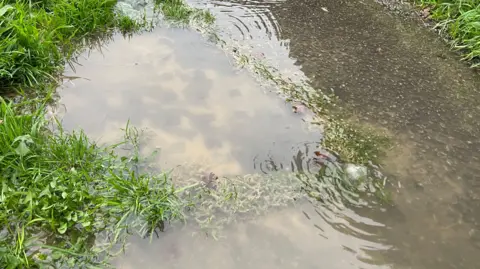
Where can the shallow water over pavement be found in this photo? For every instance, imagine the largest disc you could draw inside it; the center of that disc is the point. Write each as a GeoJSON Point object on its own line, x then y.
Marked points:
{"type": "Point", "coordinates": [391, 73]}
{"type": "Point", "coordinates": [394, 73]}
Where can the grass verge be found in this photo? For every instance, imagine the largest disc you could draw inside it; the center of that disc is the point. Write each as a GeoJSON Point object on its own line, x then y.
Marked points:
{"type": "Point", "coordinates": [66, 202]}
{"type": "Point", "coordinates": [37, 38]}
{"type": "Point", "coordinates": [61, 193]}
{"type": "Point", "coordinates": [460, 21]}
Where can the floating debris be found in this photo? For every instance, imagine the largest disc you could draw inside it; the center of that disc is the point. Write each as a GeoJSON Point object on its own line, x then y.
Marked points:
{"type": "Point", "coordinates": [355, 172]}
{"type": "Point", "coordinates": [210, 180]}
{"type": "Point", "coordinates": [299, 108]}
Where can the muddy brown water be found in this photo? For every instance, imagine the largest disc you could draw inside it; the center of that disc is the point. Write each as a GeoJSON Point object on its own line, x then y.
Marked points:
{"type": "Point", "coordinates": [196, 108]}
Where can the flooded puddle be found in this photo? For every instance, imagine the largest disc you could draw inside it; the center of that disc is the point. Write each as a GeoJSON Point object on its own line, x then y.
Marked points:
{"type": "Point", "coordinates": [197, 109]}
{"type": "Point", "coordinates": [200, 112]}
{"type": "Point", "coordinates": [190, 102]}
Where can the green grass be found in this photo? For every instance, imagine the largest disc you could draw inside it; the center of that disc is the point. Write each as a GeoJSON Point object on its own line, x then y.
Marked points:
{"type": "Point", "coordinates": [60, 191]}
{"type": "Point", "coordinates": [355, 143]}
{"type": "Point", "coordinates": [179, 11]}
{"type": "Point", "coordinates": [460, 20]}
{"type": "Point", "coordinates": [64, 200]}
{"type": "Point", "coordinates": [37, 38]}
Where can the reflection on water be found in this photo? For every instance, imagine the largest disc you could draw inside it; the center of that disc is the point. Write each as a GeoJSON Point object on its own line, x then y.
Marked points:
{"type": "Point", "coordinates": [196, 109]}
{"type": "Point", "coordinates": [300, 237]}
{"type": "Point", "coordinates": [193, 106]}
{"type": "Point", "coordinates": [252, 27]}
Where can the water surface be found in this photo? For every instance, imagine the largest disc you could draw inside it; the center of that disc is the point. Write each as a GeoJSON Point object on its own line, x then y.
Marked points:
{"type": "Point", "coordinates": [192, 105]}
{"type": "Point", "coordinates": [394, 73]}
{"type": "Point", "coordinates": [196, 108]}
{"type": "Point", "coordinates": [283, 239]}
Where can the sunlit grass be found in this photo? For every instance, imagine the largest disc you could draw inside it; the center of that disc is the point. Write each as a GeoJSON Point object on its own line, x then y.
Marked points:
{"type": "Point", "coordinates": [460, 20]}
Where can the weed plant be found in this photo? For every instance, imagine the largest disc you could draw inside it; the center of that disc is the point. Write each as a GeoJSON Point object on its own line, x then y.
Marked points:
{"type": "Point", "coordinates": [61, 193]}
{"type": "Point", "coordinates": [460, 20]}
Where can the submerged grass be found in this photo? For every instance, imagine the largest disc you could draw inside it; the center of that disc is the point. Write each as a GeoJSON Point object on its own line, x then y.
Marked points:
{"type": "Point", "coordinates": [230, 199]}
{"type": "Point", "coordinates": [355, 143]}
{"type": "Point", "coordinates": [60, 192]}
{"type": "Point", "coordinates": [459, 20]}
{"type": "Point", "coordinates": [179, 11]}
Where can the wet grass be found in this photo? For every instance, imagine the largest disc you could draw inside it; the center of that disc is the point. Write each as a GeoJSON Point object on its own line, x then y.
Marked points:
{"type": "Point", "coordinates": [179, 11]}
{"type": "Point", "coordinates": [238, 198]}
{"type": "Point", "coordinates": [460, 21]}
{"type": "Point", "coordinates": [37, 38]}
{"type": "Point", "coordinates": [355, 143]}
{"type": "Point", "coordinates": [66, 201]}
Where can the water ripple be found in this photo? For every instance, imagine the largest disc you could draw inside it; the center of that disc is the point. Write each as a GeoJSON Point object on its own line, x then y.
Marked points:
{"type": "Point", "coordinates": [260, 20]}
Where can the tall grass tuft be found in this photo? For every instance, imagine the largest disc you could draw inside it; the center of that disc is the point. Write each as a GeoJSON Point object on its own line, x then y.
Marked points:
{"type": "Point", "coordinates": [460, 19]}
{"type": "Point", "coordinates": [60, 192]}
{"type": "Point", "coordinates": [37, 37]}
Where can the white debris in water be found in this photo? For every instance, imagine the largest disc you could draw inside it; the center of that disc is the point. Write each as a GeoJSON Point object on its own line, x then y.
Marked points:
{"type": "Point", "coordinates": [355, 172]}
